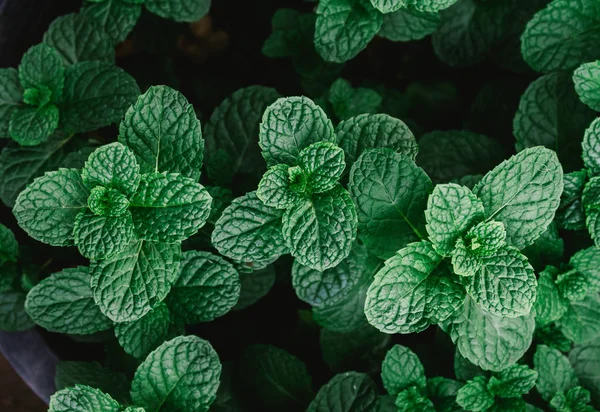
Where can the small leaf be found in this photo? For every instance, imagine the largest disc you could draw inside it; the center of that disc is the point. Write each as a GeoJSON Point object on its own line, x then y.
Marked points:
{"type": "Point", "coordinates": [591, 147]}
{"type": "Point", "coordinates": [179, 10]}
{"type": "Point", "coordinates": [30, 126]}
{"type": "Point", "coordinates": [348, 102]}
{"type": "Point", "coordinates": [346, 392]}
{"type": "Point", "coordinates": [82, 398]}
{"type": "Point", "coordinates": [112, 166]}
{"type": "Point", "coordinates": [275, 188]}
{"type": "Point", "coordinates": [40, 66]}
{"type": "Point", "coordinates": [116, 17]}
{"type": "Point", "coordinates": [401, 369]}
{"type": "Point", "coordinates": [11, 96]}
{"type": "Point", "coordinates": [590, 199]}
{"type": "Point", "coordinates": [412, 399]}
{"type": "Point", "coordinates": [324, 164]}
{"type": "Point", "coordinates": [99, 237]}
{"type": "Point", "coordinates": [555, 373]}
{"type": "Point", "coordinates": [513, 382]}
{"type": "Point", "coordinates": [571, 213]}
{"type": "Point", "coordinates": [549, 306]}
{"type": "Point", "coordinates": [586, 262]}
{"type": "Point", "coordinates": [69, 374]}
{"type": "Point", "coordinates": [587, 84]}
{"type": "Point", "coordinates": [142, 336]}
{"type": "Point", "coordinates": [409, 24]}
{"type": "Point", "coordinates": [474, 396]}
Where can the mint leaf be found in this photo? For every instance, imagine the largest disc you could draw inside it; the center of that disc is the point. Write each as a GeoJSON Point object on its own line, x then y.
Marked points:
{"type": "Point", "coordinates": [475, 396]}
{"type": "Point", "coordinates": [324, 164]}
{"type": "Point", "coordinates": [572, 285]}
{"type": "Point", "coordinates": [587, 84]}
{"type": "Point", "coordinates": [345, 392]}
{"type": "Point", "coordinates": [96, 94]}
{"type": "Point", "coordinates": [254, 286]}
{"type": "Point", "coordinates": [30, 126]}
{"type": "Point", "coordinates": [409, 24]}
{"type": "Point", "coordinates": [347, 315]}
{"type": "Point", "coordinates": [207, 288]}
{"type": "Point", "coordinates": [289, 125]}
{"type": "Point", "coordinates": [9, 248]}
{"type": "Point", "coordinates": [129, 284]}
{"type": "Point", "coordinates": [179, 10]}
{"type": "Point", "coordinates": [464, 369]}
{"type": "Point", "coordinates": [562, 35]}
{"type": "Point", "coordinates": [99, 237]}
{"type": "Point", "coordinates": [76, 37]}
{"type": "Point", "coordinates": [571, 213]}
{"type": "Point", "coordinates": [390, 192]}
{"type": "Point", "coordinates": [591, 147]}
{"type": "Point", "coordinates": [513, 382]}
{"type": "Point", "coordinates": [431, 6]}
{"type": "Point", "coordinates": [401, 369]}
{"type": "Point", "coordinates": [13, 316]}
{"type": "Point", "coordinates": [412, 399]}
{"type": "Point", "coordinates": [180, 374]}
{"type": "Point", "coordinates": [549, 305]}
{"type": "Point", "coordinates": [488, 341]}
{"type": "Point", "coordinates": [348, 102]}
{"type": "Point", "coordinates": [412, 290]}
{"type": "Point", "coordinates": [344, 28]}
{"type": "Point", "coordinates": [11, 96]}
{"type": "Point", "coordinates": [464, 261]}
{"type": "Point", "coordinates": [249, 231]}
{"type": "Point", "coordinates": [586, 262]}
{"type": "Point", "coordinates": [451, 210]}
{"type": "Point", "coordinates": [82, 398]}
{"type": "Point", "coordinates": [319, 232]}
{"type": "Point", "coordinates": [47, 208]}
{"type": "Point", "coordinates": [275, 188]}
{"type": "Point", "coordinates": [64, 303]}
{"type": "Point", "coordinates": [584, 359]}
{"type": "Point", "coordinates": [555, 373]}
{"type": "Point", "coordinates": [142, 336]}
{"type": "Point", "coordinates": [163, 132]}
{"type": "Point", "coordinates": [581, 323]}
{"type": "Point", "coordinates": [233, 130]}
{"type": "Point", "coordinates": [41, 66]}
{"type": "Point", "coordinates": [527, 205]}
{"type": "Point", "coordinates": [169, 207]}
{"type": "Point", "coordinates": [69, 374]}
{"type": "Point", "coordinates": [389, 6]}
{"type": "Point", "coordinates": [590, 199]}
{"type": "Point", "coordinates": [116, 17]}
{"type": "Point", "coordinates": [112, 166]}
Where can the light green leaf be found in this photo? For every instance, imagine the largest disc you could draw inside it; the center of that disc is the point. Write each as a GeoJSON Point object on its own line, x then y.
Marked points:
{"type": "Point", "coordinates": [9, 248]}
{"type": "Point", "coordinates": [142, 336]}
{"type": "Point", "coordinates": [389, 6]}
{"type": "Point", "coordinates": [401, 369]}
{"type": "Point", "coordinates": [348, 102]}
{"type": "Point", "coordinates": [412, 399]}
{"type": "Point", "coordinates": [555, 373]}
{"type": "Point", "coordinates": [11, 96]}
{"type": "Point", "coordinates": [590, 199]}
{"type": "Point", "coordinates": [486, 238]}
{"type": "Point", "coordinates": [70, 373]}
{"type": "Point", "coordinates": [181, 374]}
{"type": "Point", "coordinates": [319, 232]}
{"type": "Point", "coordinates": [41, 66]}
{"type": "Point", "coordinates": [451, 210]}
{"type": "Point", "coordinates": [390, 192]}
{"type": "Point", "coordinates": [179, 10]}
{"type": "Point", "coordinates": [169, 207]}
{"type": "Point", "coordinates": [116, 17]}
{"type": "Point", "coordinates": [47, 208]}
{"type": "Point", "coordinates": [527, 205]}
{"type": "Point", "coordinates": [13, 316]}
{"type": "Point", "coordinates": [562, 35]}
{"type": "Point", "coordinates": [30, 126]}
{"type": "Point", "coordinates": [290, 125]}
{"type": "Point", "coordinates": [77, 37]}
{"type": "Point", "coordinates": [513, 382]}
{"type": "Point", "coordinates": [344, 28]}
{"type": "Point", "coordinates": [324, 164]}
{"type": "Point", "coordinates": [163, 132]}
{"type": "Point", "coordinates": [572, 285]}
{"type": "Point", "coordinates": [99, 237]}
{"type": "Point", "coordinates": [475, 396]}
{"type": "Point", "coordinates": [586, 262]}
{"type": "Point", "coordinates": [409, 24]}
{"type": "Point", "coordinates": [488, 341]}
{"type": "Point", "coordinates": [571, 214]}
{"type": "Point", "coordinates": [464, 261]}
{"type": "Point", "coordinates": [549, 305]}
{"type": "Point", "coordinates": [113, 166]}
{"type": "Point", "coordinates": [346, 392]}
{"type": "Point", "coordinates": [591, 147]}
{"type": "Point", "coordinates": [82, 398]}
{"type": "Point", "coordinates": [249, 231]}
{"type": "Point", "coordinates": [63, 303]}
{"type": "Point", "coordinates": [129, 284]}
{"type": "Point", "coordinates": [412, 290]}
{"type": "Point", "coordinates": [207, 288]}
{"type": "Point", "coordinates": [275, 188]}
{"type": "Point", "coordinates": [581, 323]}
{"type": "Point", "coordinates": [587, 84]}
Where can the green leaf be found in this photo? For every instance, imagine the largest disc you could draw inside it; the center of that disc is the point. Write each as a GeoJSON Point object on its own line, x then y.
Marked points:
{"type": "Point", "coordinates": [30, 126]}
{"type": "Point", "coordinates": [542, 118]}
{"type": "Point", "coordinates": [233, 130]}
{"type": "Point", "coordinates": [11, 96]}
{"type": "Point", "coordinates": [107, 202]}
{"type": "Point", "coordinates": [475, 396]}
{"type": "Point", "coordinates": [572, 285]}
{"type": "Point", "coordinates": [486, 238]}
{"type": "Point", "coordinates": [99, 237]}
{"type": "Point", "coordinates": [13, 317]}
{"type": "Point", "coordinates": [290, 125]}
{"type": "Point", "coordinates": [69, 374]}
{"type": "Point", "coordinates": [389, 6]}
{"type": "Point", "coordinates": [581, 323]}
{"type": "Point", "coordinates": [41, 66]}
{"type": "Point", "coordinates": [348, 102]}
{"type": "Point", "coordinates": [47, 208]}
{"type": "Point", "coordinates": [586, 361]}
{"type": "Point", "coordinates": [447, 155]}
{"type": "Point", "coordinates": [181, 374]}
{"type": "Point", "coordinates": [249, 231]}
{"type": "Point", "coordinates": [112, 166]}
{"type": "Point", "coordinates": [96, 94]}
{"type": "Point", "coordinates": [587, 84]}
{"type": "Point", "coordinates": [527, 205]}
{"type": "Point", "coordinates": [63, 303]}
{"type": "Point", "coordinates": [571, 214]}
{"type": "Point", "coordinates": [275, 377]}
{"type": "Point", "coordinates": [207, 288]}
{"type": "Point", "coordinates": [254, 286]}
{"type": "Point", "coordinates": [179, 10]}
{"type": "Point", "coordinates": [344, 28]}
{"type": "Point", "coordinates": [586, 262]}
{"type": "Point", "coordinates": [590, 199]}
{"type": "Point", "coordinates": [431, 6]}
{"type": "Point", "coordinates": [549, 305]}
{"type": "Point", "coordinates": [562, 35]}
{"type": "Point", "coordinates": [129, 284]}
{"type": "Point", "coordinates": [82, 398]}
{"type": "Point", "coordinates": [319, 232]}
{"type": "Point", "coordinates": [591, 147]}
{"type": "Point", "coordinates": [412, 290]}
{"type": "Point", "coordinates": [488, 341]}
{"type": "Point", "coordinates": [163, 132]}
{"type": "Point", "coordinates": [513, 382]}
{"type": "Point", "coordinates": [9, 248]}
{"type": "Point", "coordinates": [411, 399]}
{"type": "Point", "coordinates": [345, 316]}
{"type": "Point", "coordinates": [555, 373]}
{"type": "Point", "coordinates": [275, 188]}
{"type": "Point", "coordinates": [464, 261]}
{"type": "Point", "coordinates": [324, 164]}
{"type": "Point", "coordinates": [116, 17]}
{"type": "Point", "coordinates": [169, 207]}
{"type": "Point", "coordinates": [77, 37]}
{"type": "Point", "coordinates": [346, 392]}
{"type": "Point", "coordinates": [451, 211]}
{"type": "Point", "coordinates": [409, 24]}
{"type": "Point", "coordinates": [401, 369]}
{"type": "Point", "coordinates": [390, 192]}
{"type": "Point", "coordinates": [142, 336]}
